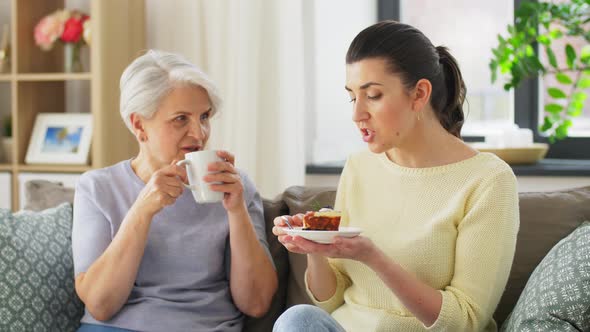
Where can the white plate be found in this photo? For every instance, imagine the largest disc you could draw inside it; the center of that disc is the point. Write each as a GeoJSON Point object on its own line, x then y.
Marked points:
{"type": "Point", "coordinates": [325, 237]}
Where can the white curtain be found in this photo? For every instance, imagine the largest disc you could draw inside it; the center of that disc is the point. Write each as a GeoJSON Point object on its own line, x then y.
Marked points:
{"type": "Point", "coordinates": [254, 51]}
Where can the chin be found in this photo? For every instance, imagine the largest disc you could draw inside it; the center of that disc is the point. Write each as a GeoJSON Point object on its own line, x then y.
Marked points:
{"type": "Point", "coordinates": [379, 148]}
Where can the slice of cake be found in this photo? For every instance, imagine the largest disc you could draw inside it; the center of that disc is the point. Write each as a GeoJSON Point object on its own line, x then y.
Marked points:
{"type": "Point", "coordinates": [324, 220]}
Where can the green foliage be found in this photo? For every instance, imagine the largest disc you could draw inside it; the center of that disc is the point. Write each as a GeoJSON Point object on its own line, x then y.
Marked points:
{"type": "Point", "coordinates": [538, 24]}
{"type": "Point", "coordinates": [7, 126]}
{"type": "Point", "coordinates": [316, 206]}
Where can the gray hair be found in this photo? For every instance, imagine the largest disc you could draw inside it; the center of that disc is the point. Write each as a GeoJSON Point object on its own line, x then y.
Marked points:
{"type": "Point", "coordinates": [150, 77]}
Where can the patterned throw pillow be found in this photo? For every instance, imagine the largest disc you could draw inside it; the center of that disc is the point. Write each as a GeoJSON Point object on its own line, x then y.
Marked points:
{"type": "Point", "coordinates": [557, 294]}
{"type": "Point", "coordinates": [36, 271]}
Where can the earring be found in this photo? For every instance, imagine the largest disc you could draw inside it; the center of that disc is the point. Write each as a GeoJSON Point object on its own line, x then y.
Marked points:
{"type": "Point", "coordinates": [142, 138]}
{"type": "Point", "coordinates": [418, 115]}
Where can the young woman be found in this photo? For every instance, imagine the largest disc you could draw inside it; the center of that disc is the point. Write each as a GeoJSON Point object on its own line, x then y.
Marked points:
{"type": "Point", "coordinates": [147, 257]}
{"type": "Point", "coordinates": [439, 219]}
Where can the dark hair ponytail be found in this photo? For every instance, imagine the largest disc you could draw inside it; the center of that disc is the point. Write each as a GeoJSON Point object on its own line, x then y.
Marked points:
{"type": "Point", "coordinates": [451, 115]}
{"type": "Point", "coordinates": [411, 55]}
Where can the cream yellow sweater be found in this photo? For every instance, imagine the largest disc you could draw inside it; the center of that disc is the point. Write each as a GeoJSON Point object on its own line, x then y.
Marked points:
{"type": "Point", "coordinates": [453, 226]}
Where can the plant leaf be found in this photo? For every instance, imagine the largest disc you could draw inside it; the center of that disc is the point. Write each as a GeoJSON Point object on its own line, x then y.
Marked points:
{"type": "Point", "coordinates": [553, 108]}
{"type": "Point", "coordinates": [551, 57]}
{"type": "Point", "coordinates": [547, 124]}
{"type": "Point", "coordinates": [555, 34]}
{"type": "Point", "coordinates": [563, 78]}
{"type": "Point", "coordinates": [494, 70]}
{"type": "Point", "coordinates": [571, 55]}
{"type": "Point", "coordinates": [575, 109]}
{"type": "Point", "coordinates": [543, 39]}
{"type": "Point", "coordinates": [584, 83]}
{"type": "Point", "coordinates": [579, 96]}
{"type": "Point", "coordinates": [561, 130]}
{"type": "Point", "coordinates": [585, 54]}
{"type": "Point", "coordinates": [556, 93]}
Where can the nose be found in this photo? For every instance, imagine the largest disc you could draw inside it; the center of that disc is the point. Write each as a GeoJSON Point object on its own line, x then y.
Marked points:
{"type": "Point", "coordinates": [359, 112]}
{"type": "Point", "coordinates": [197, 131]}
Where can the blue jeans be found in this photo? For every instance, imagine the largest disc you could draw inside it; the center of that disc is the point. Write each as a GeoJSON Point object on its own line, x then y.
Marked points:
{"type": "Point", "coordinates": [100, 328]}
{"type": "Point", "coordinates": [305, 317]}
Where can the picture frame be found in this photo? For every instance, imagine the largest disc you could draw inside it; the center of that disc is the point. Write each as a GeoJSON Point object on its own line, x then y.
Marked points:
{"type": "Point", "coordinates": [60, 138]}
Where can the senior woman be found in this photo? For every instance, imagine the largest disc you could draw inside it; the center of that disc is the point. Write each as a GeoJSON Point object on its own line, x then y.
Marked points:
{"type": "Point", "coordinates": [147, 257]}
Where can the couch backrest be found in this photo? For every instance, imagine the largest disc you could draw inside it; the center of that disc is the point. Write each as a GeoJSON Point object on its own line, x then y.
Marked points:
{"type": "Point", "coordinates": [545, 218]}
{"type": "Point", "coordinates": [301, 200]}
{"type": "Point", "coordinates": [273, 208]}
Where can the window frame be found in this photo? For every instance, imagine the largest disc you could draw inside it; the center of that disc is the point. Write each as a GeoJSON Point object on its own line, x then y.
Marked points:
{"type": "Point", "coordinates": [526, 100]}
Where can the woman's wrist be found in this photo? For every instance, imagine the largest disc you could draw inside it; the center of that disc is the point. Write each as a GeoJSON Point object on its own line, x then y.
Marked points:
{"type": "Point", "coordinates": [374, 259]}
{"type": "Point", "coordinates": [238, 212]}
{"type": "Point", "coordinates": [141, 214]}
{"type": "Point", "coordinates": [315, 259]}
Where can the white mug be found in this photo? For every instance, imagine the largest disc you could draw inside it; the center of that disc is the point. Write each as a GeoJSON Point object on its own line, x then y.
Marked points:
{"type": "Point", "coordinates": [196, 168]}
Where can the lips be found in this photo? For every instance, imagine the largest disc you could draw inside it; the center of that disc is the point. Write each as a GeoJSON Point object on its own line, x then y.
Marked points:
{"type": "Point", "coordinates": [367, 134]}
{"type": "Point", "coordinates": [191, 148]}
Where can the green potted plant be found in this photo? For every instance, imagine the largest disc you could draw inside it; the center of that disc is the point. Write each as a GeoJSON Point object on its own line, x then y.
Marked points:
{"type": "Point", "coordinates": [7, 139]}
{"type": "Point", "coordinates": [541, 24]}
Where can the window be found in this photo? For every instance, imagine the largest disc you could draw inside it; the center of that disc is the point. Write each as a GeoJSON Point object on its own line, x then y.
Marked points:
{"type": "Point", "coordinates": [581, 124]}
{"type": "Point", "coordinates": [469, 31]}
{"type": "Point", "coordinates": [529, 109]}
{"type": "Point", "coordinates": [330, 27]}
{"type": "Point", "coordinates": [528, 99]}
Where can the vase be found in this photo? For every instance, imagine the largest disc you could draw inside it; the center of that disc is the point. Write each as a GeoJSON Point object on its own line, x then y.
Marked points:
{"type": "Point", "coordinates": [72, 62]}
{"type": "Point", "coordinates": [7, 149]}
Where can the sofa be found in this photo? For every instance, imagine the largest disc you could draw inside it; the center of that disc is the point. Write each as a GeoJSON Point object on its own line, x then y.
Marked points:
{"type": "Point", "coordinates": [546, 219]}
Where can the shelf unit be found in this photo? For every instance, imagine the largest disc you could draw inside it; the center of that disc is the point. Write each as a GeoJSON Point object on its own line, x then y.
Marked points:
{"type": "Point", "coordinates": [38, 84]}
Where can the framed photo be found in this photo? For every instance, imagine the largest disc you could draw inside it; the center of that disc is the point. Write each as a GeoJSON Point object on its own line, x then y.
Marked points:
{"type": "Point", "coordinates": [60, 138]}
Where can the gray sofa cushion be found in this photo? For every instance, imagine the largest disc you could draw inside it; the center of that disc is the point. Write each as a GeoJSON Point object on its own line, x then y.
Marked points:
{"type": "Point", "coordinates": [545, 219]}
{"type": "Point", "coordinates": [43, 194]}
{"type": "Point", "coordinates": [557, 295]}
{"type": "Point", "coordinates": [300, 200]}
{"type": "Point", "coordinates": [36, 271]}
{"type": "Point", "coordinates": [272, 209]}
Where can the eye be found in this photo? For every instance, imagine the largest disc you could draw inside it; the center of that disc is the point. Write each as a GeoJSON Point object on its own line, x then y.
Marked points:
{"type": "Point", "coordinates": [206, 115]}
{"type": "Point", "coordinates": [376, 97]}
{"type": "Point", "coordinates": [352, 100]}
{"type": "Point", "coordinates": [180, 118]}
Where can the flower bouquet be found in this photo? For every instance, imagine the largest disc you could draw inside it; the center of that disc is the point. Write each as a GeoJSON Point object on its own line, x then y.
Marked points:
{"type": "Point", "coordinates": [71, 27]}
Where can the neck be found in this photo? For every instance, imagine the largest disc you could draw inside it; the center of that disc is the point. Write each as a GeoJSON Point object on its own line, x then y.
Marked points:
{"type": "Point", "coordinates": [144, 166]}
{"type": "Point", "coordinates": [430, 145]}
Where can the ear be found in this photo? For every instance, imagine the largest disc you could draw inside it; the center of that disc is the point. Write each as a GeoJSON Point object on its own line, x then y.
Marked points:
{"type": "Point", "coordinates": [421, 94]}
{"type": "Point", "coordinates": [137, 123]}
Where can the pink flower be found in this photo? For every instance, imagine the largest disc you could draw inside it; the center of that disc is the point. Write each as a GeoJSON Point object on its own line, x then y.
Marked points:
{"type": "Point", "coordinates": [73, 30]}
{"type": "Point", "coordinates": [65, 25]}
{"type": "Point", "coordinates": [47, 31]}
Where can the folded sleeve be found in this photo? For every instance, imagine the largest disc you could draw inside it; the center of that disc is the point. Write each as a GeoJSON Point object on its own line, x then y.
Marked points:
{"type": "Point", "coordinates": [484, 252]}
{"type": "Point", "coordinates": [342, 283]}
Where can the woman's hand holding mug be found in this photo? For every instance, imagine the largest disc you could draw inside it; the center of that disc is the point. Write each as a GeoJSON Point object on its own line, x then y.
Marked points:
{"type": "Point", "coordinates": [163, 188]}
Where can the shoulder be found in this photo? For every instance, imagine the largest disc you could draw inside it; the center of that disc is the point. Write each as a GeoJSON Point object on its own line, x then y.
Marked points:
{"type": "Point", "coordinates": [491, 168]}
{"type": "Point", "coordinates": [98, 180]}
{"type": "Point", "coordinates": [249, 186]}
{"type": "Point", "coordinates": [492, 177]}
